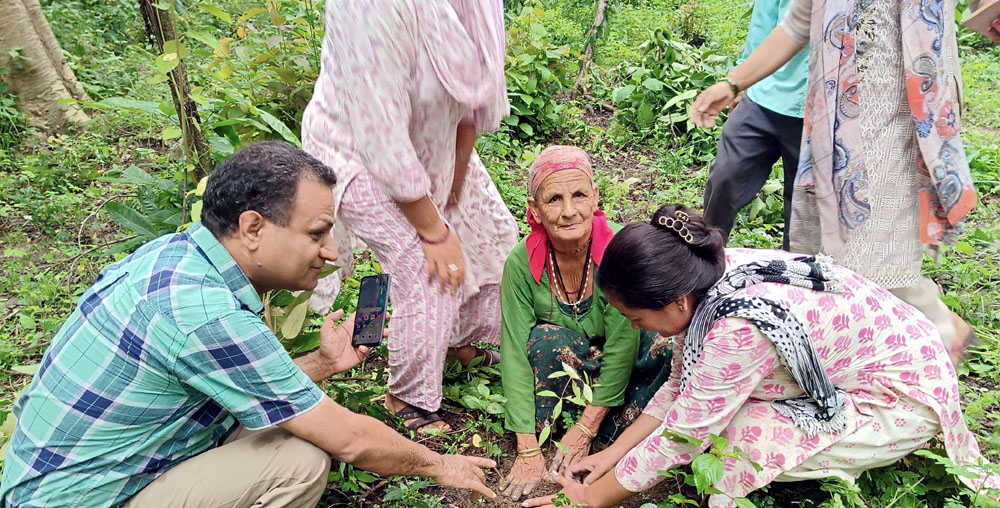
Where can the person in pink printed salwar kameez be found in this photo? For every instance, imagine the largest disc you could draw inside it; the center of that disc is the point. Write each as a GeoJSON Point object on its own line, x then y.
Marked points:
{"type": "Point", "coordinates": [405, 87]}
{"type": "Point", "coordinates": [895, 385]}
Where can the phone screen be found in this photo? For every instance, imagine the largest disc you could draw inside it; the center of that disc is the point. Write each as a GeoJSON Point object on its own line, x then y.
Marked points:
{"type": "Point", "coordinates": [370, 315]}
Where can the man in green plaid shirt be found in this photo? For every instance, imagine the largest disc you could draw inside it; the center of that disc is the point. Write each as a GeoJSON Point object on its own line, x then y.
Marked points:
{"type": "Point", "coordinates": [165, 388]}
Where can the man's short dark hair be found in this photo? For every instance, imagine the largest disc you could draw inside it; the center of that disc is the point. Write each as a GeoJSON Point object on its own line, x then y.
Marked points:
{"type": "Point", "coordinates": [262, 177]}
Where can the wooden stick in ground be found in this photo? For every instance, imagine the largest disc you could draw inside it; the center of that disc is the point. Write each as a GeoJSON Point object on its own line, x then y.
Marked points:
{"type": "Point", "coordinates": [588, 52]}
{"type": "Point", "coordinates": [160, 24]}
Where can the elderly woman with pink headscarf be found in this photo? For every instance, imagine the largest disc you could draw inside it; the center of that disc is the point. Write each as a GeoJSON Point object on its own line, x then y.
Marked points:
{"type": "Point", "coordinates": [405, 88]}
{"type": "Point", "coordinates": [554, 315]}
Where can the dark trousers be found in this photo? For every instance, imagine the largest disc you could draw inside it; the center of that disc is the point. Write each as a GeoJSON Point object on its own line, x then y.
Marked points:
{"type": "Point", "coordinates": [752, 140]}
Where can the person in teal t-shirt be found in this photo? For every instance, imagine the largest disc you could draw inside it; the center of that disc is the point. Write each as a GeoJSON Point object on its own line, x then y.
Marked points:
{"type": "Point", "coordinates": [766, 125]}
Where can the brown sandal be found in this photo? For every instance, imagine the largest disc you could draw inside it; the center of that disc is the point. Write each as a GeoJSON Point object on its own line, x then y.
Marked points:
{"type": "Point", "coordinates": [420, 416]}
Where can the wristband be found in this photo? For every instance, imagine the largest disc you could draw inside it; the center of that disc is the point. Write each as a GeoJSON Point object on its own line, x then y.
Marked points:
{"type": "Point", "coordinates": [585, 430]}
{"type": "Point", "coordinates": [436, 241]}
{"type": "Point", "coordinates": [530, 452]}
{"type": "Point", "coordinates": [732, 85]}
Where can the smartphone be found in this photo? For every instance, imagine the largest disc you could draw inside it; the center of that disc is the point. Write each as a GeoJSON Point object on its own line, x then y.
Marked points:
{"type": "Point", "coordinates": [369, 318]}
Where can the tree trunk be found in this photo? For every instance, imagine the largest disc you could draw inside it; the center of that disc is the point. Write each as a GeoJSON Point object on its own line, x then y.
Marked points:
{"type": "Point", "coordinates": [588, 54]}
{"type": "Point", "coordinates": [40, 77]}
{"type": "Point", "coordinates": [161, 26]}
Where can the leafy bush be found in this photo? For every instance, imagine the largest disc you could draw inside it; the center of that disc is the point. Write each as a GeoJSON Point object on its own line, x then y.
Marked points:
{"type": "Point", "coordinates": [659, 90]}
{"type": "Point", "coordinates": [12, 125]}
{"type": "Point", "coordinates": [536, 71]}
{"type": "Point", "coordinates": [250, 86]}
{"type": "Point", "coordinates": [157, 210]}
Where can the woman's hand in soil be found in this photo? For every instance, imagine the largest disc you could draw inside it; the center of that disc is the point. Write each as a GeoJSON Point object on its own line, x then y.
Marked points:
{"type": "Point", "coordinates": [594, 466]}
{"type": "Point", "coordinates": [575, 492]}
{"type": "Point", "coordinates": [523, 477]}
{"type": "Point", "coordinates": [577, 446]}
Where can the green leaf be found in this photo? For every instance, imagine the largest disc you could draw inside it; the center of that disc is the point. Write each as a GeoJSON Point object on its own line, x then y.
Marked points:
{"type": "Point", "coordinates": [28, 370]}
{"type": "Point", "coordinates": [166, 63]}
{"type": "Point", "coordinates": [622, 93]}
{"type": "Point", "coordinates": [527, 129]}
{"type": "Point", "coordinates": [546, 393]}
{"type": "Point", "coordinates": [494, 408]}
{"type": "Point", "coordinates": [557, 410]}
{"type": "Point", "coordinates": [679, 437]}
{"type": "Point", "coordinates": [196, 210]}
{"type": "Point", "coordinates": [295, 316]}
{"type": "Point", "coordinates": [131, 220]}
{"type": "Point", "coordinates": [544, 435]}
{"type": "Point", "coordinates": [588, 393]}
{"type": "Point", "coordinates": [653, 84]}
{"type": "Point", "coordinates": [304, 343]}
{"type": "Point", "coordinates": [471, 402]}
{"type": "Point", "coordinates": [136, 176]}
{"type": "Point", "coordinates": [206, 39]}
{"type": "Point", "coordinates": [645, 115]}
{"type": "Point", "coordinates": [742, 502]}
{"type": "Point", "coordinates": [169, 133]}
{"type": "Point", "coordinates": [175, 47]}
{"type": "Point", "coordinates": [363, 476]}
{"type": "Point", "coordinates": [122, 103]}
{"type": "Point", "coordinates": [278, 126]}
{"type": "Point", "coordinates": [328, 270]}
{"type": "Point", "coordinates": [483, 390]}
{"type": "Point", "coordinates": [707, 470]}
{"type": "Point", "coordinates": [27, 322]}
{"type": "Point", "coordinates": [570, 371]}
{"type": "Point", "coordinates": [217, 12]}
{"type": "Point", "coordinates": [683, 96]}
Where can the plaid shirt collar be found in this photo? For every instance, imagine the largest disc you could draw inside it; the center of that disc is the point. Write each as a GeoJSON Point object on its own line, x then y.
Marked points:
{"type": "Point", "coordinates": [223, 261]}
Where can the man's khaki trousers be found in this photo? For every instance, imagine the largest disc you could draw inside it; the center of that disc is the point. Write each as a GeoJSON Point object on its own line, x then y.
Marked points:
{"type": "Point", "coordinates": [265, 468]}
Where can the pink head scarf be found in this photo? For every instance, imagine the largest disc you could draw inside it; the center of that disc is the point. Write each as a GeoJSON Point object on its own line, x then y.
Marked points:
{"type": "Point", "coordinates": [553, 159]}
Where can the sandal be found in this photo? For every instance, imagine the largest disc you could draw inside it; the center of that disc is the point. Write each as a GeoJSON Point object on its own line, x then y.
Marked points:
{"type": "Point", "coordinates": [420, 416]}
{"type": "Point", "coordinates": [489, 357]}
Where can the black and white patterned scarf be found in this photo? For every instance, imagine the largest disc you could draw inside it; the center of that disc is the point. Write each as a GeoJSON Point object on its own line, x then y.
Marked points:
{"type": "Point", "coordinates": [821, 409]}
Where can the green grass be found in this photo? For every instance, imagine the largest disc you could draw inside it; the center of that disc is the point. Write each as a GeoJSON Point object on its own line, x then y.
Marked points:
{"type": "Point", "coordinates": [55, 235]}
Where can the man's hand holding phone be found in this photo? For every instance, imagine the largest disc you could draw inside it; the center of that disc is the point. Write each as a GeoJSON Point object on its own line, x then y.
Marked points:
{"type": "Point", "coordinates": [335, 343]}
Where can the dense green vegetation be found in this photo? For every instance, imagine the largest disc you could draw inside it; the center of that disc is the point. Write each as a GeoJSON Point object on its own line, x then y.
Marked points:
{"type": "Point", "coordinates": [73, 203]}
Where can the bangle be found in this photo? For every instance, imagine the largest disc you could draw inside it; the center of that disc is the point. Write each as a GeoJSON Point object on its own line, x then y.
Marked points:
{"type": "Point", "coordinates": [732, 85]}
{"type": "Point", "coordinates": [436, 241]}
{"type": "Point", "coordinates": [586, 430]}
{"type": "Point", "coordinates": [530, 452]}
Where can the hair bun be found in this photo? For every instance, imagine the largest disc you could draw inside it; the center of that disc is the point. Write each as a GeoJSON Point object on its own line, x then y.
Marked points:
{"type": "Point", "coordinates": [704, 240]}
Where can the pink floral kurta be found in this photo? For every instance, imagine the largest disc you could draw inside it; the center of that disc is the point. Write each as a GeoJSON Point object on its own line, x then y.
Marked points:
{"type": "Point", "coordinates": [384, 116]}
{"type": "Point", "coordinates": [901, 385]}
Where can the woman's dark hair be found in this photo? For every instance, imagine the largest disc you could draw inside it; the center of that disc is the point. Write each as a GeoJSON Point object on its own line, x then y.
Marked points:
{"type": "Point", "coordinates": [262, 177]}
{"type": "Point", "coordinates": [648, 266]}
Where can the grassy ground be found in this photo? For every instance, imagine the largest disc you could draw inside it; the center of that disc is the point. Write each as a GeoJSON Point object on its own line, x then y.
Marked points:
{"type": "Point", "coordinates": [55, 234]}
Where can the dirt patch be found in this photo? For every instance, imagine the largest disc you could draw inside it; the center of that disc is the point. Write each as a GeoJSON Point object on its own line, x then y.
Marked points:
{"type": "Point", "coordinates": [458, 420]}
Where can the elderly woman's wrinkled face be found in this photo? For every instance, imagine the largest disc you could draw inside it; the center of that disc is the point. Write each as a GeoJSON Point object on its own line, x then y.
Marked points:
{"type": "Point", "coordinates": [565, 203]}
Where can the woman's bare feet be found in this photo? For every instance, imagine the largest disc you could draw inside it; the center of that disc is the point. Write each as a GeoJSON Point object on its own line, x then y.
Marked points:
{"type": "Point", "coordinates": [397, 406]}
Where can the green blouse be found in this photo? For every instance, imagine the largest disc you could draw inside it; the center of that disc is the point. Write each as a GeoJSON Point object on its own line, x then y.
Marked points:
{"type": "Point", "coordinates": [525, 304]}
